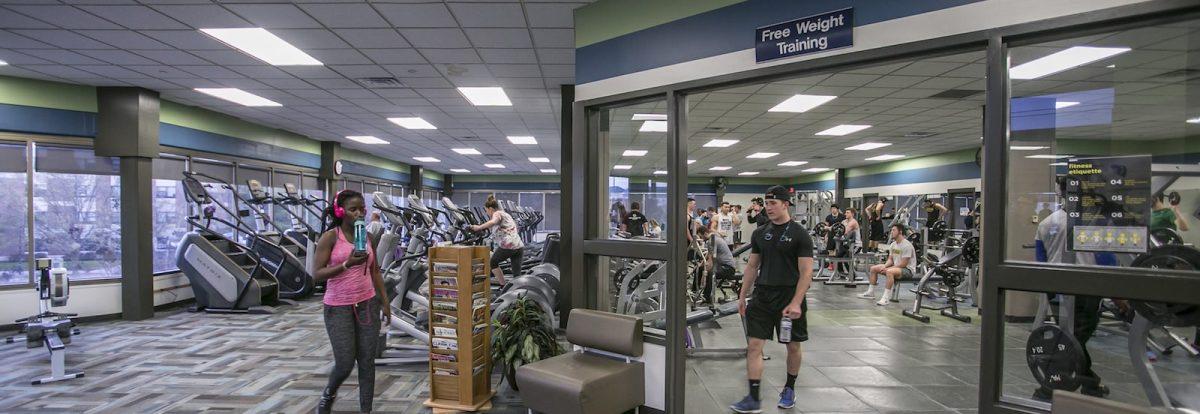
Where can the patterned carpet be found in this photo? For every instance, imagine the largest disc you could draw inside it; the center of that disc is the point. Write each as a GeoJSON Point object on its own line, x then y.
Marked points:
{"type": "Point", "coordinates": [182, 362]}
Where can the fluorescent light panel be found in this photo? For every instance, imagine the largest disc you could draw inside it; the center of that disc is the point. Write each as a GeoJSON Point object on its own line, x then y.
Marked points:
{"type": "Point", "coordinates": [427, 159]}
{"type": "Point", "coordinates": [2, 63]}
{"type": "Point", "coordinates": [653, 126]}
{"type": "Point", "coordinates": [817, 169]}
{"type": "Point", "coordinates": [1063, 60]}
{"type": "Point", "coordinates": [841, 130]}
{"type": "Point", "coordinates": [1058, 164]}
{"type": "Point", "coordinates": [801, 103]}
{"type": "Point", "coordinates": [885, 157]}
{"type": "Point", "coordinates": [366, 139]}
{"type": "Point", "coordinates": [466, 151]}
{"type": "Point", "coordinates": [649, 117]}
{"type": "Point", "coordinates": [539, 159]}
{"type": "Point", "coordinates": [522, 140]}
{"type": "Point", "coordinates": [721, 168]}
{"type": "Point", "coordinates": [660, 172]}
{"type": "Point", "coordinates": [720, 143]}
{"type": "Point", "coordinates": [1048, 156]}
{"type": "Point", "coordinates": [486, 96]}
{"type": "Point", "coordinates": [412, 122]}
{"type": "Point", "coordinates": [264, 45]}
{"type": "Point", "coordinates": [690, 162]}
{"type": "Point", "coordinates": [748, 173]}
{"type": "Point", "coordinates": [792, 163]}
{"type": "Point", "coordinates": [460, 170]}
{"type": "Point", "coordinates": [867, 146]}
{"type": "Point", "coordinates": [622, 167]}
{"type": "Point", "coordinates": [1195, 120]}
{"type": "Point", "coordinates": [238, 96]}
{"type": "Point", "coordinates": [762, 155]}
{"type": "Point", "coordinates": [634, 153]}
{"type": "Point", "coordinates": [549, 170]}
{"type": "Point", "coordinates": [1026, 148]}
{"type": "Point", "coordinates": [494, 165]}
{"type": "Point", "coordinates": [1064, 104]}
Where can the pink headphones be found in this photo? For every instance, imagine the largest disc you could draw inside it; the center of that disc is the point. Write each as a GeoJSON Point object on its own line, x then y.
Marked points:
{"type": "Point", "coordinates": [338, 211]}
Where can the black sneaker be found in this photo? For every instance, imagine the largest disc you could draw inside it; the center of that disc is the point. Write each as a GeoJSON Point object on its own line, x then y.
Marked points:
{"type": "Point", "coordinates": [1043, 394]}
{"type": "Point", "coordinates": [1099, 391]}
{"type": "Point", "coordinates": [325, 406]}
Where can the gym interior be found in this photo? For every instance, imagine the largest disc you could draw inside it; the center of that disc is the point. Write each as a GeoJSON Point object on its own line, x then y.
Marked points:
{"type": "Point", "coordinates": [1001, 197]}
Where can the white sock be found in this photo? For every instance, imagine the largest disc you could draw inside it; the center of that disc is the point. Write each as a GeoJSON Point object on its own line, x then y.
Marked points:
{"type": "Point", "coordinates": [870, 289]}
{"type": "Point", "coordinates": [887, 295]}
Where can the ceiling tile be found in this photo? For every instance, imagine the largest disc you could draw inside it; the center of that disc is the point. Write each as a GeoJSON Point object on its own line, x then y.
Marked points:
{"type": "Point", "coordinates": [204, 16]}
{"type": "Point", "coordinates": [311, 38]}
{"type": "Point", "coordinates": [436, 38]}
{"type": "Point", "coordinates": [66, 17]}
{"type": "Point", "coordinates": [118, 57]}
{"type": "Point", "coordinates": [551, 15]}
{"type": "Point", "coordinates": [63, 38]}
{"type": "Point", "coordinates": [172, 57]}
{"type": "Point", "coordinates": [451, 55]}
{"type": "Point", "coordinates": [135, 17]}
{"type": "Point", "coordinates": [515, 71]}
{"type": "Point", "coordinates": [125, 39]}
{"type": "Point", "coordinates": [11, 20]}
{"type": "Point", "coordinates": [427, 83]}
{"type": "Point", "coordinates": [110, 71]}
{"type": "Point", "coordinates": [15, 41]}
{"type": "Point", "coordinates": [372, 38]}
{"type": "Point", "coordinates": [510, 38]}
{"type": "Point", "coordinates": [311, 72]}
{"type": "Point", "coordinates": [211, 72]}
{"type": "Point", "coordinates": [508, 55]}
{"type": "Point", "coordinates": [17, 58]}
{"type": "Point", "coordinates": [360, 71]}
{"type": "Point", "coordinates": [343, 56]}
{"type": "Point", "coordinates": [289, 83]}
{"type": "Point", "coordinates": [553, 37]}
{"type": "Point", "coordinates": [261, 71]}
{"type": "Point", "coordinates": [488, 15]}
{"type": "Point", "coordinates": [62, 56]}
{"type": "Point", "coordinates": [186, 39]}
{"type": "Point", "coordinates": [556, 56]}
{"type": "Point", "coordinates": [274, 16]}
{"type": "Point", "coordinates": [65, 72]}
{"type": "Point", "coordinates": [162, 72]}
{"type": "Point", "coordinates": [508, 83]}
{"type": "Point", "coordinates": [561, 71]}
{"type": "Point", "coordinates": [227, 57]}
{"type": "Point", "coordinates": [417, 15]}
{"type": "Point", "coordinates": [334, 83]}
{"type": "Point", "coordinates": [412, 70]}
{"type": "Point", "coordinates": [345, 15]}
{"type": "Point", "coordinates": [394, 56]}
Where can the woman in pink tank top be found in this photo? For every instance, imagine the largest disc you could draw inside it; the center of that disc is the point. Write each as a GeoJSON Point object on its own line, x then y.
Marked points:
{"type": "Point", "coordinates": [355, 302]}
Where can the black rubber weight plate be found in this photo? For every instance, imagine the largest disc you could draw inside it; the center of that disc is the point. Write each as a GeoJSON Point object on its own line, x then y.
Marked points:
{"type": "Point", "coordinates": [1054, 357]}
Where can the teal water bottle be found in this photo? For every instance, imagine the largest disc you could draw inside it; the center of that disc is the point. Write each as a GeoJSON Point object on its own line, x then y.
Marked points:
{"type": "Point", "coordinates": [360, 235]}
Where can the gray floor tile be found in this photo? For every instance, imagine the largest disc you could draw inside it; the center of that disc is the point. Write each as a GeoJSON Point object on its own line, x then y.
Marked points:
{"type": "Point", "coordinates": [893, 399]}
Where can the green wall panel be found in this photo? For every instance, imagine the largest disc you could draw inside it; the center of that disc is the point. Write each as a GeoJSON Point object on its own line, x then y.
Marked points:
{"type": "Point", "coordinates": [607, 19]}
{"type": "Point", "coordinates": [46, 94]}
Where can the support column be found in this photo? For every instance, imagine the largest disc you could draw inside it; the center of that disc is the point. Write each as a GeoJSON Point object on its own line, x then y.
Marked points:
{"type": "Point", "coordinates": [127, 127]}
{"type": "Point", "coordinates": [330, 172]}
{"type": "Point", "coordinates": [415, 182]}
{"type": "Point", "coordinates": [571, 266]}
{"type": "Point", "coordinates": [839, 187]}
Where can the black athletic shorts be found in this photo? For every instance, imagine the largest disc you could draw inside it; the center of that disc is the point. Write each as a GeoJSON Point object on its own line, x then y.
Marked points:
{"type": "Point", "coordinates": [500, 255]}
{"type": "Point", "coordinates": [724, 272]}
{"type": "Point", "coordinates": [766, 310]}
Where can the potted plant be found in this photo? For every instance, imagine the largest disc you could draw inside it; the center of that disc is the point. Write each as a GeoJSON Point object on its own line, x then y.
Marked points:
{"type": "Point", "coordinates": [521, 334]}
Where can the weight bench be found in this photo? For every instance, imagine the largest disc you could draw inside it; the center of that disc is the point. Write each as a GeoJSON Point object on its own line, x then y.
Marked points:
{"type": "Point", "coordinates": [600, 376]}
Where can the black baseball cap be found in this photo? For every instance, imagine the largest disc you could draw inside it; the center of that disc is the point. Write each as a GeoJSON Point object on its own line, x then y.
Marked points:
{"type": "Point", "coordinates": [778, 193]}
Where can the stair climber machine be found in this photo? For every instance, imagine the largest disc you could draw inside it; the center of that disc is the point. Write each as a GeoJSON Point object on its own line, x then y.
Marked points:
{"type": "Point", "coordinates": [50, 329]}
{"type": "Point", "coordinates": [296, 207]}
{"type": "Point", "coordinates": [282, 250]}
{"type": "Point", "coordinates": [226, 276]}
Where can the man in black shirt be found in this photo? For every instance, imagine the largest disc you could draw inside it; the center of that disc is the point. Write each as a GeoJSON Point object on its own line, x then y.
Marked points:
{"type": "Point", "coordinates": [756, 214]}
{"type": "Point", "coordinates": [835, 215]}
{"type": "Point", "coordinates": [933, 212]}
{"type": "Point", "coordinates": [779, 272]}
{"type": "Point", "coordinates": [635, 221]}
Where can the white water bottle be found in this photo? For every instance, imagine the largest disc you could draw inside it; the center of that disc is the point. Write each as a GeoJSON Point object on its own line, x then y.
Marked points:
{"type": "Point", "coordinates": [785, 330]}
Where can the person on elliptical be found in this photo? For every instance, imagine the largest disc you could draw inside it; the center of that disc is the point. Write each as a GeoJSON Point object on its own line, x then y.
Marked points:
{"type": "Point", "coordinates": [874, 215]}
{"type": "Point", "coordinates": [1163, 215]}
{"type": "Point", "coordinates": [778, 274]}
{"type": "Point", "coordinates": [354, 300]}
{"type": "Point", "coordinates": [901, 264]}
{"type": "Point", "coordinates": [933, 212]}
{"type": "Point", "coordinates": [635, 221]}
{"type": "Point", "coordinates": [509, 245]}
{"type": "Point", "coordinates": [719, 263]}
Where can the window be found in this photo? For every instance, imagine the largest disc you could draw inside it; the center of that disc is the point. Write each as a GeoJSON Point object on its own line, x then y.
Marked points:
{"type": "Point", "coordinates": [369, 190]}
{"type": "Point", "coordinates": [77, 211]}
{"type": "Point", "coordinates": [634, 146]}
{"type": "Point", "coordinates": [536, 202]}
{"type": "Point", "coordinates": [220, 193]}
{"type": "Point", "coordinates": [311, 188]}
{"type": "Point", "coordinates": [552, 212]}
{"type": "Point", "coordinates": [170, 210]}
{"type": "Point", "coordinates": [14, 213]}
{"type": "Point", "coordinates": [282, 218]}
{"type": "Point", "coordinates": [263, 176]}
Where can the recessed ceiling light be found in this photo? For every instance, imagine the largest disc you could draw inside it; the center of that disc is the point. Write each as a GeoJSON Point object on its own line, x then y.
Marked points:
{"type": "Point", "coordinates": [841, 130]}
{"type": "Point", "coordinates": [622, 167]}
{"type": "Point", "coordinates": [1048, 156]}
{"type": "Point", "coordinates": [549, 170]}
{"type": "Point", "coordinates": [1026, 148]}
{"type": "Point", "coordinates": [867, 146]}
{"type": "Point", "coordinates": [494, 165]}
{"type": "Point", "coordinates": [466, 151]}
{"type": "Point", "coordinates": [660, 172]}
{"type": "Point", "coordinates": [366, 139]}
{"type": "Point", "coordinates": [885, 157]}
{"type": "Point", "coordinates": [1195, 120]}
{"type": "Point", "coordinates": [1064, 104]}
{"type": "Point", "coordinates": [792, 163]}
{"type": "Point", "coordinates": [1063, 60]}
{"type": "Point", "coordinates": [653, 126]}
{"type": "Point", "coordinates": [720, 143]}
{"type": "Point", "coordinates": [522, 140]}
{"type": "Point", "coordinates": [649, 117]}
{"type": "Point", "coordinates": [722, 168]}
{"type": "Point", "coordinates": [690, 162]}
{"type": "Point", "coordinates": [263, 45]}
{"type": "Point", "coordinates": [1058, 164]}
{"type": "Point", "coordinates": [748, 173]}
{"type": "Point", "coordinates": [801, 103]}
{"type": "Point", "coordinates": [238, 96]}
{"type": "Point", "coordinates": [539, 159]}
{"type": "Point", "coordinates": [427, 159]}
{"type": "Point", "coordinates": [414, 122]}
{"type": "Point", "coordinates": [460, 170]}
{"type": "Point", "coordinates": [2, 63]}
{"type": "Point", "coordinates": [487, 96]}
{"type": "Point", "coordinates": [762, 155]}
{"type": "Point", "coordinates": [633, 153]}
{"type": "Point", "coordinates": [817, 169]}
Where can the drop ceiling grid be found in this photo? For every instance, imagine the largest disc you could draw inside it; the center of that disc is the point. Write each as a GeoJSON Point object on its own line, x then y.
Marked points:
{"type": "Point", "coordinates": [431, 47]}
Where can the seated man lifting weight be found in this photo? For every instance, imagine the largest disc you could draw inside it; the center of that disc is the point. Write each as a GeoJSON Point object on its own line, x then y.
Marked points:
{"type": "Point", "coordinates": [719, 261]}
{"type": "Point", "coordinates": [901, 264]}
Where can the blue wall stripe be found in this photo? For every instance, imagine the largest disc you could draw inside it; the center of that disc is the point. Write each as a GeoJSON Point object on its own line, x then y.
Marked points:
{"type": "Point", "coordinates": [194, 139]}
{"type": "Point", "coordinates": [494, 185]}
{"type": "Point", "coordinates": [724, 30]}
{"type": "Point", "coordinates": [351, 167]}
{"type": "Point", "coordinates": [962, 171]}
{"type": "Point", "coordinates": [826, 185]}
{"type": "Point", "coordinates": [47, 121]}
{"type": "Point", "coordinates": [432, 183]}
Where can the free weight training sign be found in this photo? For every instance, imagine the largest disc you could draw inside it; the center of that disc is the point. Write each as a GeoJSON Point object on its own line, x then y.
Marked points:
{"type": "Point", "coordinates": [812, 34]}
{"type": "Point", "coordinates": [1108, 203]}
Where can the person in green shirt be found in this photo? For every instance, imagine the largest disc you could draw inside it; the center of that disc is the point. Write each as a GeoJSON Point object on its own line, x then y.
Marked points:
{"type": "Point", "coordinates": [1167, 216]}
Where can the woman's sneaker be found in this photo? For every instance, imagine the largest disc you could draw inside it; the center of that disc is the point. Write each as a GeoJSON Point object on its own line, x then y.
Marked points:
{"type": "Point", "coordinates": [747, 405]}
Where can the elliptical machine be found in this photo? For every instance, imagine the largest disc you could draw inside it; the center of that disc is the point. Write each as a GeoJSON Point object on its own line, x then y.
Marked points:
{"type": "Point", "coordinates": [50, 329]}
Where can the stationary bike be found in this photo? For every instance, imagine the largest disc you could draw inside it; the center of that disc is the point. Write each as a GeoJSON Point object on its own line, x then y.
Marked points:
{"type": "Point", "coordinates": [50, 329]}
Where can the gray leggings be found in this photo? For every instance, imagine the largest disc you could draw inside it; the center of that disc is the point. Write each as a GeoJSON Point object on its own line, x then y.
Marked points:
{"type": "Point", "coordinates": [354, 333]}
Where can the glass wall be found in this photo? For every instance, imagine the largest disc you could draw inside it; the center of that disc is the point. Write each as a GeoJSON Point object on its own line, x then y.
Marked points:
{"type": "Point", "coordinates": [545, 202]}
{"type": "Point", "coordinates": [171, 209]}
{"type": "Point", "coordinates": [14, 212]}
{"type": "Point", "coordinates": [278, 215]}
{"type": "Point", "coordinates": [77, 206]}
{"type": "Point", "coordinates": [636, 161]}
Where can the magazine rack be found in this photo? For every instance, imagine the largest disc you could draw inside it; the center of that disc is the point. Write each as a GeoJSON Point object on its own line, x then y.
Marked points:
{"type": "Point", "coordinates": [460, 354]}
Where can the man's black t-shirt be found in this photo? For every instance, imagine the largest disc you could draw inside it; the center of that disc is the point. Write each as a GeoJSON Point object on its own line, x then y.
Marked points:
{"type": "Point", "coordinates": [634, 223]}
{"type": "Point", "coordinates": [833, 219]}
{"type": "Point", "coordinates": [778, 247]}
{"type": "Point", "coordinates": [759, 219]}
{"type": "Point", "coordinates": [932, 215]}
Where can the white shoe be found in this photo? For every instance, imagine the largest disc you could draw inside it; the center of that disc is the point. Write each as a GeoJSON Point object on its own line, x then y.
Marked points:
{"type": "Point", "coordinates": [883, 302]}
{"type": "Point", "coordinates": [867, 295]}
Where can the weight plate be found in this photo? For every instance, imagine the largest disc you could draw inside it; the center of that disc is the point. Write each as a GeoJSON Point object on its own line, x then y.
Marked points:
{"type": "Point", "coordinates": [1055, 358]}
{"type": "Point", "coordinates": [1166, 236]}
{"type": "Point", "coordinates": [1171, 257]}
{"type": "Point", "coordinates": [937, 231]}
{"type": "Point", "coordinates": [970, 250]}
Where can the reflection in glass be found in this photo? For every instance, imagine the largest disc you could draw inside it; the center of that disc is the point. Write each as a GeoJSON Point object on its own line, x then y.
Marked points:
{"type": "Point", "coordinates": [635, 169]}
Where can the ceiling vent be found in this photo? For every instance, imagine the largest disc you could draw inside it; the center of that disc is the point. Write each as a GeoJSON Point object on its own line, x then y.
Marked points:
{"type": "Point", "coordinates": [955, 93]}
{"type": "Point", "coordinates": [380, 83]}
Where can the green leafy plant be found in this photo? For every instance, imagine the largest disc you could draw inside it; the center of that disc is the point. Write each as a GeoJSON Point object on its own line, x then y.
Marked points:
{"type": "Point", "coordinates": [521, 335]}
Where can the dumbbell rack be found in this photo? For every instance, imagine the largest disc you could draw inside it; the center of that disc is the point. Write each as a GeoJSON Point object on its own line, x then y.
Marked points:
{"type": "Point", "coordinates": [460, 353]}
